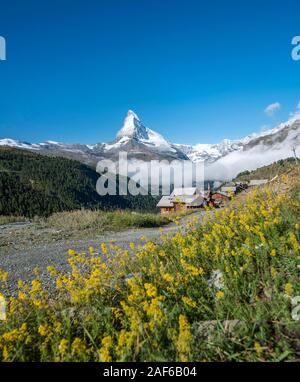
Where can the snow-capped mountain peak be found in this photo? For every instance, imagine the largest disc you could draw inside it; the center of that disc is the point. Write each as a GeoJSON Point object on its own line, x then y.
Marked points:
{"type": "Point", "coordinates": [132, 127]}
{"type": "Point", "coordinates": [133, 114]}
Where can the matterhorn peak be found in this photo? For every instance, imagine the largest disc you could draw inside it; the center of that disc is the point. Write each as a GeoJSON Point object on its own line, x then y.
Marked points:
{"type": "Point", "coordinates": [132, 127]}
{"type": "Point", "coordinates": [132, 114]}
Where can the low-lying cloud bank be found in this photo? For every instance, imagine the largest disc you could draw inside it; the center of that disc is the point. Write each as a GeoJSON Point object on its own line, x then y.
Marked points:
{"type": "Point", "coordinates": [229, 166]}
{"type": "Point", "coordinates": [259, 151]}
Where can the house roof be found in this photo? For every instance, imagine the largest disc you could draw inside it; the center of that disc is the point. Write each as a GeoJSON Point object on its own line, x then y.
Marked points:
{"type": "Point", "coordinates": [197, 202]}
{"type": "Point", "coordinates": [189, 200]}
{"type": "Point", "coordinates": [233, 188]}
{"type": "Point", "coordinates": [220, 193]}
{"type": "Point", "coordinates": [258, 182]}
{"type": "Point", "coordinates": [180, 191]}
{"type": "Point", "coordinates": [229, 184]}
{"type": "Point", "coordinates": [165, 201]}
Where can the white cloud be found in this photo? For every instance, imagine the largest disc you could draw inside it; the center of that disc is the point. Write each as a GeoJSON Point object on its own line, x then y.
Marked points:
{"type": "Point", "coordinates": [271, 109]}
{"type": "Point", "coordinates": [260, 155]}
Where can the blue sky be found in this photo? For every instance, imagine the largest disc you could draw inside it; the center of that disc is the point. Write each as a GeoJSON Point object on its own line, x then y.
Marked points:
{"type": "Point", "coordinates": [195, 71]}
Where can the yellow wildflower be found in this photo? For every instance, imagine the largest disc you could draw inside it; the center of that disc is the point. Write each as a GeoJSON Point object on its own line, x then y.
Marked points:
{"type": "Point", "coordinates": [104, 351]}
{"type": "Point", "coordinates": [191, 269]}
{"type": "Point", "coordinates": [294, 242]}
{"type": "Point", "coordinates": [288, 288]}
{"type": "Point", "coordinates": [43, 330]}
{"type": "Point", "coordinates": [258, 348]}
{"type": "Point", "coordinates": [274, 272]}
{"type": "Point", "coordinates": [167, 277]}
{"type": "Point", "coordinates": [3, 276]}
{"type": "Point", "coordinates": [104, 249]}
{"type": "Point", "coordinates": [78, 347]}
{"type": "Point", "coordinates": [150, 247]}
{"type": "Point", "coordinates": [5, 354]}
{"type": "Point", "coordinates": [184, 338]}
{"type": "Point", "coordinates": [188, 301]}
{"type": "Point", "coordinates": [22, 296]}
{"type": "Point", "coordinates": [63, 346]}
{"type": "Point", "coordinates": [220, 295]}
{"type": "Point", "coordinates": [150, 290]}
{"type": "Point", "coordinates": [52, 270]}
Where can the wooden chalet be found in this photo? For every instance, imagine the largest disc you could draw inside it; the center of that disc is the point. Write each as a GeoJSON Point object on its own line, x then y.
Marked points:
{"type": "Point", "coordinates": [182, 199]}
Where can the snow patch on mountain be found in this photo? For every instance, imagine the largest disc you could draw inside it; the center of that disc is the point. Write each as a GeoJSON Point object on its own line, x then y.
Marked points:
{"type": "Point", "coordinates": [210, 152]}
{"type": "Point", "coordinates": [18, 144]}
{"type": "Point", "coordinates": [122, 141]}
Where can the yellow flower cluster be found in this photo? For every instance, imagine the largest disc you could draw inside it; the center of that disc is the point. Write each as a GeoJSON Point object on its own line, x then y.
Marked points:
{"type": "Point", "coordinates": [142, 302]}
{"type": "Point", "coordinates": [184, 339]}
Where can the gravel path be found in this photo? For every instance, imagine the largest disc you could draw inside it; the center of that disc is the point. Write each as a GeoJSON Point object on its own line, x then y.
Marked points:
{"type": "Point", "coordinates": [20, 263]}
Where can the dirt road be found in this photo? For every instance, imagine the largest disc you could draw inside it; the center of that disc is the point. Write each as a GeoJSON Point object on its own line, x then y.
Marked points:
{"type": "Point", "coordinates": [19, 258]}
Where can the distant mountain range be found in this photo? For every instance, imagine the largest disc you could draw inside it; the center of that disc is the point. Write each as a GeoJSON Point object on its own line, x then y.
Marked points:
{"type": "Point", "coordinates": [223, 160]}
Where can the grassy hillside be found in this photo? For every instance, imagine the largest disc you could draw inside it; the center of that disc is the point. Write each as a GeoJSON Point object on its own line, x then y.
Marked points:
{"type": "Point", "coordinates": [225, 290]}
{"type": "Point", "coordinates": [32, 184]}
{"type": "Point", "coordinates": [267, 172]}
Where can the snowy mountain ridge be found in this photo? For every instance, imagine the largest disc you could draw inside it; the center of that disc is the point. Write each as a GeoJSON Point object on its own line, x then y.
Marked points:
{"type": "Point", "coordinates": [212, 152]}
{"type": "Point", "coordinates": [142, 143]}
